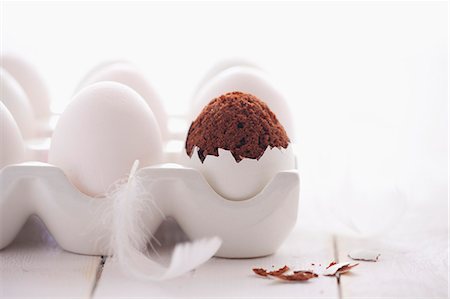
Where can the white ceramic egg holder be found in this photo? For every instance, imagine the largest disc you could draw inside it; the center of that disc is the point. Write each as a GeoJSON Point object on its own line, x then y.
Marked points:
{"type": "Point", "coordinates": [79, 223]}
{"type": "Point", "coordinates": [249, 228]}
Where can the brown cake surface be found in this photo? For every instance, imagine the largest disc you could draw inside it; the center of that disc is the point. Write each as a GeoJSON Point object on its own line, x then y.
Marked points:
{"type": "Point", "coordinates": [238, 122]}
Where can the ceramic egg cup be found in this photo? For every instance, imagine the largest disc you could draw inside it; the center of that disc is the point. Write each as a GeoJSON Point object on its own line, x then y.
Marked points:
{"type": "Point", "coordinates": [79, 223]}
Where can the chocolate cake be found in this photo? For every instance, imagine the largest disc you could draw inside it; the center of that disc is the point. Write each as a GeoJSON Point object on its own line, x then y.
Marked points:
{"type": "Point", "coordinates": [238, 122]}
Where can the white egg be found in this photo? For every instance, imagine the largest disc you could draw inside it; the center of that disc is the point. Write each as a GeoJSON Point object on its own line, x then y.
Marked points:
{"type": "Point", "coordinates": [243, 180]}
{"type": "Point", "coordinates": [220, 67]}
{"type": "Point", "coordinates": [14, 98]}
{"type": "Point", "coordinates": [105, 128]}
{"type": "Point", "coordinates": [12, 148]}
{"type": "Point", "coordinates": [249, 80]}
{"type": "Point", "coordinates": [96, 69]}
{"type": "Point", "coordinates": [128, 74]}
{"type": "Point", "coordinates": [31, 81]}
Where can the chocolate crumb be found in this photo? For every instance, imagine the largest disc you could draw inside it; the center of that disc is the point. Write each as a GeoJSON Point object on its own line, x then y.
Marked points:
{"type": "Point", "coordinates": [279, 271]}
{"type": "Point", "coordinates": [298, 276]}
{"type": "Point", "coordinates": [260, 271]}
{"type": "Point", "coordinates": [264, 272]}
{"type": "Point", "coordinates": [238, 122]}
{"type": "Point", "coordinates": [280, 274]}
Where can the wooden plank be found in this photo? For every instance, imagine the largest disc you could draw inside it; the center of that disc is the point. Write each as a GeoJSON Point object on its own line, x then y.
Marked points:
{"type": "Point", "coordinates": [413, 261]}
{"type": "Point", "coordinates": [234, 277]}
{"type": "Point", "coordinates": [35, 266]}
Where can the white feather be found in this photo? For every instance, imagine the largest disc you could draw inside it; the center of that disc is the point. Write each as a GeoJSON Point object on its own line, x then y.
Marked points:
{"type": "Point", "coordinates": [130, 236]}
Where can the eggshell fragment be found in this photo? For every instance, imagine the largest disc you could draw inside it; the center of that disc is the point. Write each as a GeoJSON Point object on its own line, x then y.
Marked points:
{"type": "Point", "coordinates": [128, 74]}
{"type": "Point", "coordinates": [364, 255]}
{"type": "Point", "coordinates": [105, 128]}
{"type": "Point", "coordinates": [15, 99]}
{"type": "Point", "coordinates": [12, 148]}
{"type": "Point", "coordinates": [336, 269]}
{"type": "Point", "coordinates": [243, 180]}
{"type": "Point", "coordinates": [31, 82]}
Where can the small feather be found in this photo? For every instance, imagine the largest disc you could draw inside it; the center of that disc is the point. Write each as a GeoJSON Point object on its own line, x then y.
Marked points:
{"type": "Point", "coordinates": [130, 237]}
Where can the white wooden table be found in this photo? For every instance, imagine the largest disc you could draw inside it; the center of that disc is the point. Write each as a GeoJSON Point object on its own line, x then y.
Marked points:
{"type": "Point", "coordinates": [413, 264]}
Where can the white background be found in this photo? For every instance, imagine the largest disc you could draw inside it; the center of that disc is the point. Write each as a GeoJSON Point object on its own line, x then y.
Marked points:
{"type": "Point", "coordinates": [367, 82]}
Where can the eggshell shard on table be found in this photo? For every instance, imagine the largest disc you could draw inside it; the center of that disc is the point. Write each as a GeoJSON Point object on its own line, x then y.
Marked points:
{"type": "Point", "coordinates": [336, 269]}
{"type": "Point", "coordinates": [12, 148]}
{"type": "Point", "coordinates": [15, 99]}
{"type": "Point", "coordinates": [31, 82]}
{"type": "Point", "coordinates": [105, 128]}
{"type": "Point", "coordinates": [364, 255]}
{"type": "Point", "coordinates": [130, 75]}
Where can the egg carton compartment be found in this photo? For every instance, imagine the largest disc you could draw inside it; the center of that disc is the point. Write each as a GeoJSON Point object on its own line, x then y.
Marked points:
{"type": "Point", "coordinates": [250, 227]}
{"type": "Point", "coordinates": [82, 224]}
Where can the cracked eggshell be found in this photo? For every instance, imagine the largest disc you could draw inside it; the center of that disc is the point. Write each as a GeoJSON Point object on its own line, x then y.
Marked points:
{"type": "Point", "coordinates": [15, 99]}
{"type": "Point", "coordinates": [31, 81]}
{"type": "Point", "coordinates": [105, 128]}
{"type": "Point", "coordinates": [246, 79]}
{"type": "Point", "coordinates": [128, 74]}
{"type": "Point", "coordinates": [12, 147]}
{"type": "Point", "coordinates": [243, 180]}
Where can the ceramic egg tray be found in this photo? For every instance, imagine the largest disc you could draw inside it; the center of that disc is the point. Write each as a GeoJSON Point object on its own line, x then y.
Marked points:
{"type": "Point", "coordinates": [79, 223]}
